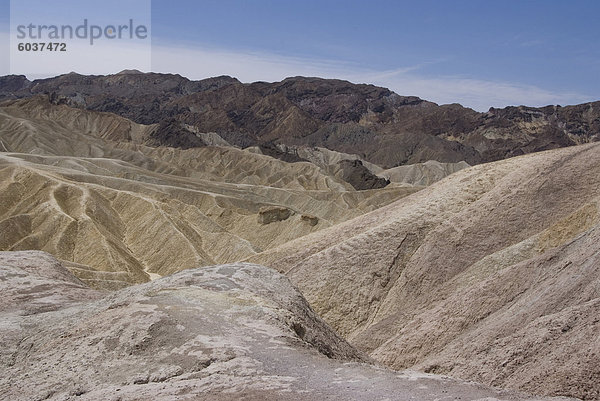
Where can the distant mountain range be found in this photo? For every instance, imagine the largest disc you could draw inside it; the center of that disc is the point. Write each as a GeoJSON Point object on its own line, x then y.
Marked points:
{"type": "Point", "coordinates": [375, 123]}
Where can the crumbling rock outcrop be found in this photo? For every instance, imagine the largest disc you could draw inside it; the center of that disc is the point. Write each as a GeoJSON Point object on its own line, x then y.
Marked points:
{"type": "Point", "coordinates": [353, 172]}
{"type": "Point", "coordinates": [272, 214]}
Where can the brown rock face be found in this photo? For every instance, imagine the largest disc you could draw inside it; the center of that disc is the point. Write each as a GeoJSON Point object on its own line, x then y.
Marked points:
{"type": "Point", "coordinates": [173, 133]}
{"type": "Point", "coordinates": [272, 214]}
{"type": "Point", "coordinates": [357, 175]}
{"type": "Point", "coordinates": [12, 84]}
{"type": "Point", "coordinates": [310, 220]}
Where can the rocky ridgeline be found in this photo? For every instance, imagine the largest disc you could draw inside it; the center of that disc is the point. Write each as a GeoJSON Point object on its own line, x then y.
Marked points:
{"type": "Point", "coordinates": [375, 123]}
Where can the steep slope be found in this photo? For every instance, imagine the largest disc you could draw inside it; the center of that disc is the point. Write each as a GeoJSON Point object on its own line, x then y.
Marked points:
{"type": "Point", "coordinates": [81, 186]}
{"type": "Point", "coordinates": [491, 274]}
{"type": "Point", "coordinates": [375, 123]}
{"type": "Point", "coordinates": [237, 331]}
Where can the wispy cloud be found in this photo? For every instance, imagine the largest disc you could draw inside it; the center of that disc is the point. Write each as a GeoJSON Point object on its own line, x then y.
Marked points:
{"type": "Point", "coordinates": [532, 43]}
{"type": "Point", "coordinates": [477, 94]}
{"type": "Point", "coordinates": [402, 71]}
{"type": "Point", "coordinates": [248, 67]}
{"type": "Point", "coordinates": [198, 63]}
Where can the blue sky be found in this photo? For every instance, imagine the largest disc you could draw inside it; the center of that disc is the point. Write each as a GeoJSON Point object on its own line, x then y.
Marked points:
{"type": "Point", "coordinates": [478, 53]}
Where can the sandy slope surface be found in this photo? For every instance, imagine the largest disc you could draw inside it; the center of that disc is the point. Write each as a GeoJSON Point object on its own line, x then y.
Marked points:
{"type": "Point", "coordinates": [491, 274]}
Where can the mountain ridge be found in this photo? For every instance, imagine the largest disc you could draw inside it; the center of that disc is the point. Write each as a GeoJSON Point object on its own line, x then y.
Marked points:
{"type": "Point", "coordinates": [373, 122]}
